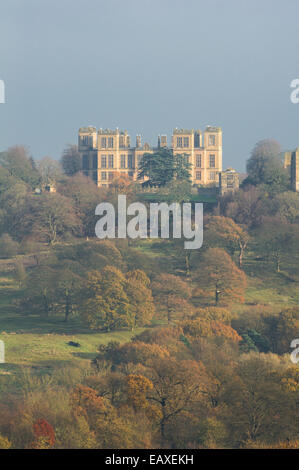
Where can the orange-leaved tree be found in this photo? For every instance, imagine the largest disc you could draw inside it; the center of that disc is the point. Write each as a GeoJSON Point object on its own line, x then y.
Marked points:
{"type": "Point", "coordinates": [172, 294]}
{"type": "Point", "coordinates": [219, 274]}
{"type": "Point", "coordinates": [44, 434]}
{"type": "Point", "coordinates": [224, 232]}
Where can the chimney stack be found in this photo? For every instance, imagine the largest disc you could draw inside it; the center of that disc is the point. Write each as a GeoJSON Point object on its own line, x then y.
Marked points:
{"type": "Point", "coordinates": [163, 142]}
{"type": "Point", "coordinates": [138, 141]}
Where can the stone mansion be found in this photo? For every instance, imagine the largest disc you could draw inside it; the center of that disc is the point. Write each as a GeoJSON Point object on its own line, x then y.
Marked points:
{"type": "Point", "coordinates": [106, 153]}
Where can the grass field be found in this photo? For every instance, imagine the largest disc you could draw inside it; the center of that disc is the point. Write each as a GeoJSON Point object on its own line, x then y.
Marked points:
{"type": "Point", "coordinates": [41, 344]}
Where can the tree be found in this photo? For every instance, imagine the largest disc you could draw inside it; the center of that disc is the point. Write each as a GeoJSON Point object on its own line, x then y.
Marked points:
{"type": "Point", "coordinates": [8, 247]}
{"type": "Point", "coordinates": [106, 305]}
{"type": "Point", "coordinates": [68, 287]}
{"type": "Point", "coordinates": [177, 190]}
{"type": "Point", "coordinates": [253, 340]}
{"type": "Point", "coordinates": [49, 170]}
{"type": "Point", "coordinates": [71, 160]}
{"type": "Point", "coordinates": [258, 406]}
{"type": "Point", "coordinates": [44, 435]}
{"type": "Point", "coordinates": [219, 273]}
{"type": "Point", "coordinates": [286, 206]}
{"type": "Point", "coordinates": [183, 255]}
{"type": "Point", "coordinates": [281, 329]}
{"type": "Point", "coordinates": [140, 297]}
{"type": "Point", "coordinates": [20, 165]}
{"type": "Point", "coordinates": [275, 237]}
{"type": "Point", "coordinates": [39, 296]}
{"type": "Point", "coordinates": [214, 313]}
{"type": "Point", "coordinates": [4, 443]}
{"type": "Point", "coordinates": [171, 294]}
{"type": "Point", "coordinates": [114, 299]}
{"type": "Point", "coordinates": [177, 385]}
{"type": "Point", "coordinates": [138, 388]}
{"type": "Point", "coordinates": [226, 233]}
{"type": "Point", "coordinates": [84, 195]}
{"type": "Point", "coordinates": [136, 352]}
{"type": "Point", "coordinates": [265, 167]}
{"type": "Point", "coordinates": [49, 217]}
{"type": "Point", "coordinates": [161, 167]}
{"type": "Point", "coordinates": [246, 206]}
{"type": "Point", "coordinates": [121, 184]}
{"type": "Point", "coordinates": [212, 432]}
{"type": "Point", "coordinates": [111, 428]}
{"type": "Point", "coordinates": [200, 327]}
{"type": "Point", "coordinates": [13, 192]}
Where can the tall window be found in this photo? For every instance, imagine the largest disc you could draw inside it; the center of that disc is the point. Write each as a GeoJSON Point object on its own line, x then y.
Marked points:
{"type": "Point", "coordinates": [85, 162]}
{"type": "Point", "coordinates": [110, 161]}
{"type": "Point", "coordinates": [110, 176]}
{"type": "Point", "coordinates": [212, 161]}
{"type": "Point", "coordinates": [110, 142]}
{"type": "Point", "coordinates": [85, 140]}
{"type": "Point", "coordinates": [95, 162]}
{"type": "Point", "coordinates": [196, 140]}
{"type": "Point", "coordinates": [123, 161]}
{"type": "Point", "coordinates": [121, 141]}
{"type": "Point", "coordinates": [179, 141]}
{"type": "Point", "coordinates": [130, 161]}
{"type": "Point", "coordinates": [104, 176]}
{"type": "Point", "coordinates": [212, 175]}
{"type": "Point", "coordinates": [230, 181]}
{"type": "Point", "coordinates": [212, 140]}
{"type": "Point", "coordinates": [103, 161]}
{"type": "Point", "coordinates": [186, 141]}
{"type": "Point", "coordinates": [198, 161]}
{"type": "Point", "coordinates": [103, 142]}
{"type": "Point", "coordinates": [198, 175]}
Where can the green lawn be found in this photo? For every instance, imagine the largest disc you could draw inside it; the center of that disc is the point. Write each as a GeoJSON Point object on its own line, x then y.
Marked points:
{"type": "Point", "coordinates": [41, 344]}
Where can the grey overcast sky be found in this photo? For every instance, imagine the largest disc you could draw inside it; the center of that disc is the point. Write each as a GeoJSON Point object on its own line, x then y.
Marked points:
{"type": "Point", "coordinates": [149, 66]}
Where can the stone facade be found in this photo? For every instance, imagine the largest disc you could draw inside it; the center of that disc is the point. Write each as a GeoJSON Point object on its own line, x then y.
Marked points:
{"type": "Point", "coordinates": [106, 153]}
{"type": "Point", "coordinates": [228, 181]}
{"type": "Point", "coordinates": [291, 162]}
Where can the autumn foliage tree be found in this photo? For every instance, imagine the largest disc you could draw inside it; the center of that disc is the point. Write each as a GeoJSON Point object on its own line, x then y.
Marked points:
{"type": "Point", "coordinates": [106, 304]}
{"type": "Point", "coordinates": [114, 299]}
{"type": "Point", "coordinates": [176, 386]}
{"type": "Point", "coordinates": [171, 295]}
{"type": "Point", "coordinates": [209, 329]}
{"type": "Point", "coordinates": [224, 232]}
{"type": "Point", "coordinates": [44, 434]}
{"type": "Point", "coordinates": [141, 299]}
{"type": "Point", "coordinates": [138, 388]}
{"type": "Point", "coordinates": [219, 274]}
